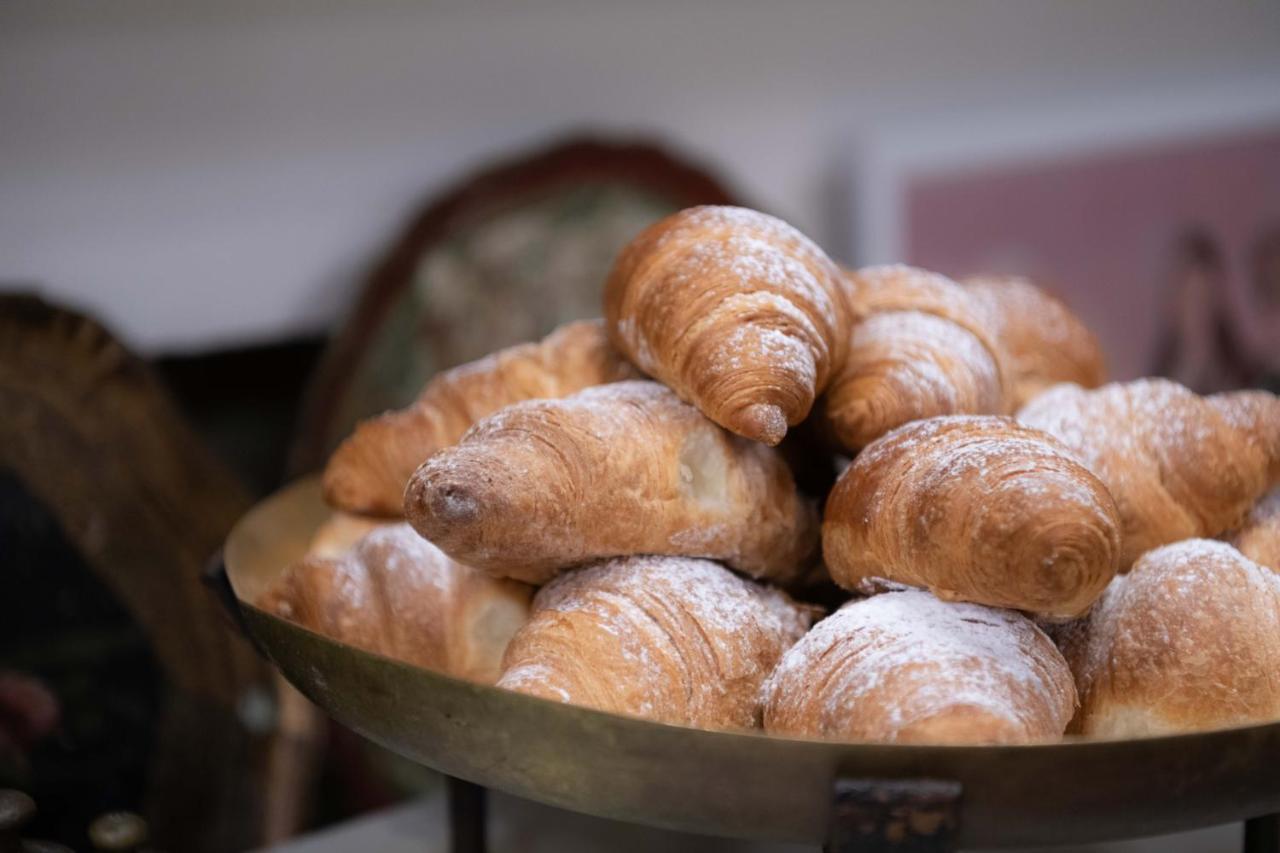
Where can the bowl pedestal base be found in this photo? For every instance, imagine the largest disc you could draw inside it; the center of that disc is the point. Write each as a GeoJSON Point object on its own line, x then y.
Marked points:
{"type": "Point", "coordinates": [867, 816]}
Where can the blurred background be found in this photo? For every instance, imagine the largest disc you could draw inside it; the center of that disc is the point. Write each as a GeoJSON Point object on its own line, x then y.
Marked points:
{"type": "Point", "coordinates": [229, 230]}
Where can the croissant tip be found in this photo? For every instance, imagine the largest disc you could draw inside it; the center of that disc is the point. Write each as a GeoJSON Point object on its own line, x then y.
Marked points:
{"type": "Point", "coordinates": [455, 504]}
{"type": "Point", "coordinates": [762, 422]}
{"type": "Point", "coordinates": [347, 491]}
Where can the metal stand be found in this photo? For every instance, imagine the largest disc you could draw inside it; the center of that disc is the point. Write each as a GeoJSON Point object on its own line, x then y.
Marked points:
{"type": "Point", "coordinates": [867, 816]}
{"type": "Point", "coordinates": [902, 816]}
{"type": "Point", "coordinates": [466, 816]}
{"type": "Point", "coordinates": [1262, 834]}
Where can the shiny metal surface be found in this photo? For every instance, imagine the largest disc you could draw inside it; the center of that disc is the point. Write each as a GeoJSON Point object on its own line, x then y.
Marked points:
{"type": "Point", "coordinates": [735, 784]}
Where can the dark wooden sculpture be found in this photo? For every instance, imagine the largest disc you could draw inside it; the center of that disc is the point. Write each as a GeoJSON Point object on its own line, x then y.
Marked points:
{"type": "Point", "coordinates": [111, 506]}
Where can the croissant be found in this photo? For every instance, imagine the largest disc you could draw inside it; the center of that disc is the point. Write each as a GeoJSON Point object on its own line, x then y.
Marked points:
{"type": "Point", "coordinates": [1259, 538]}
{"type": "Point", "coordinates": [1176, 466]}
{"type": "Point", "coordinates": [610, 471]}
{"type": "Point", "coordinates": [920, 347]}
{"type": "Point", "coordinates": [398, 595]}
{"type": "Point", "coordinates": [340, 532]}
{"type": "Point", "coordinates": [1188, 640]}
{"type": "Point", "coordinates": [1257, 414]}
{"type": "Point", "coordinates": [738, 312]}
{"type": "Point", "coordinates": [905, 667]}
{"type": "Point", "coordinates": [1043, 341]}
{"type": "Point", "coordinates": [975, 508]}
{"type": "Point", "coordinates": [678, 640]}
{"type": "Point", "coordinates": [368, 472]}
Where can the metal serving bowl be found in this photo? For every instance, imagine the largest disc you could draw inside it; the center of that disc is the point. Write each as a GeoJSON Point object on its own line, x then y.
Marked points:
{"type": "Point", "coordinates": [739, 784]}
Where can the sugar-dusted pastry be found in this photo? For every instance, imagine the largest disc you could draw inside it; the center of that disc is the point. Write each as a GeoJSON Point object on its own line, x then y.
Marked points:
{"type": "Point", "coordinates": [1259, 538]}
{"type": "Point", "coordinates": [368, 472]}
{"type": "Point", "coordinates": [1188, 640]}
{"type": "Point", "coordinates": [906, 667]}
{"type": "Point", "coordinates": [1257, 413]}
{"type": "Point", "coordinates": [920, 346]}
{"type": "Point", "coordinates": [621, 469]}
{"type": "Point", "coordinates": [975, 508]}
{"type": "Point", "coordinates": [1043, 341]}
{"type": "Point", "coordinates": [340, 532]}
{"type": "Point", "coordinates": [398, 595]}
{"type": "Point", "coordinates": [738, 312]}
{"type": "Point", "coordinates": [670, 638]}
{"type": "Point", "coordinates": [1177, 466]}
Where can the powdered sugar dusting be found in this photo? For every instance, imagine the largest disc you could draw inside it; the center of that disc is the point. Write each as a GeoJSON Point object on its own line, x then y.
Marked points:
{"type": "Point", "coordinates": [677, 639]}
{"type": "Point", "coordinates": [1170, 459]}
{"type": "Point", "coordinates": [1045, 342]}
{"type": "Point", "coordinates": [638, 343]}
{"type": "Point", "coordinates": [731, 308]}
{"type": "Point", "coordinates": [696, 491]}
{"type": "Point", "coordinates": [395, 594]}
{"type": "Point", "coordinates": [398, 550]}
{"type": "Point", "coordinates": [1117, 418]}
{"type": "Point", "coordinates": [1163, 582]}
{"type": "Point", "coordinates": [944, 367]}
{"type": "Point", "coordinates": [981, 445]}
{"type": "Point", "coordinates": [746, 344]}
{"type": "Point", "coordinates": [699, 538]}
{"type": "Point", "coordinates": [1189, 638]}
{"type": "Point", "coordinates": [762, 251]}
{"type": "Point", "coordinates": [1256, 415]}
{"type": "Point", "coordinates": [882, 664]}
{"type": "Point", "coordinates": [608, 405]}
{"type": "Point", "coordinates": [978, 508]}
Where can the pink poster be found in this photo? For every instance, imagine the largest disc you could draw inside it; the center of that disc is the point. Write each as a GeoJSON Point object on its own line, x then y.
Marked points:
{"type": "Point", "coordinates": [1170, 252]}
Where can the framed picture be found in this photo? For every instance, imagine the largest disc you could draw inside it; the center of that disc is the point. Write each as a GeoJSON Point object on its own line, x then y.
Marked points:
{"type": "Point", "coordinates": [1162, 232]}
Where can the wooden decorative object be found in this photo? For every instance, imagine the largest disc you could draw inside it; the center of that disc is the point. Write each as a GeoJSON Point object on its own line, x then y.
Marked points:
{"type": "Point", "coordinates": [503, 257]}
{"type": "Point", "coordinates": [88, 436]}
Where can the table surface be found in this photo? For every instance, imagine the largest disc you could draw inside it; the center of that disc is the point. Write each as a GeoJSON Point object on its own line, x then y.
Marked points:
{"type": "Point", "coordinates": [519, 825]}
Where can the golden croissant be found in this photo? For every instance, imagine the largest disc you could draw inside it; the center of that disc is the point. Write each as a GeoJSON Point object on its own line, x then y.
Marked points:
{"type": "Point", "coordinates": [621, 469]}
{"type": "Point", "coordinates": [340, 532]}
{"type": "Point", "coordinates": [397, 595]}
{"type": "Point", "coordinates": [1259, 537]}
{"type": "Point", "coordinates": [1188, 640]}
{"type": "Point", "coordinates": [738, 312]}
{"type": "Point", "coordinates": [920, 346]}
{"type": "Point", "coordinates": [975, 508]}
{"type": "Point", "coordinates": [680, 640]}
{"type": "Point", "coordinates": [1177, 465]}
{"type": "Point", "coordinates": [1044, 343]}
{"type": "Point", "coordinates": [1257, 415]}
{"type": "Point", "coordinates": [368, 472]}
{"type": "Point", "coordinates": [906, 667]}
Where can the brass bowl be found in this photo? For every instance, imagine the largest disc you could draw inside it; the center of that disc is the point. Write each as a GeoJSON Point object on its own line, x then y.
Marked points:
{"type": "Point", "coordinates": [738, 784]}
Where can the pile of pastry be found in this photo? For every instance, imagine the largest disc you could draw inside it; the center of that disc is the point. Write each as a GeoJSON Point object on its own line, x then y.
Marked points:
{"type": "Point", "coordinates": [641, 514]}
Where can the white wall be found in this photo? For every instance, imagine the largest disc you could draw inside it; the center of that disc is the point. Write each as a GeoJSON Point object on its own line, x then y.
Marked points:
{"type": "Point", "coordinates": [199, 174]}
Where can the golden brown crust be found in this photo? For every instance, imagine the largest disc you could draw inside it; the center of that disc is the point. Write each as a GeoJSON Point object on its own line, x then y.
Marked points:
{"type": "Point", "coordinates": [1188, 640]}
{"type": "Point", "coordinates": [920, 347]}
{"type": "Point", "coordinates": [679, 640]}
{"type": "Point", "coordinates": [905, 667]}
{"type": "Point", "coordinates": [1176, 466]}
{"type": "Point", "coordinates": [975, 508]}
{"type": "Point", "coordinates": [368, 472]}
{"type": "Point", "coordinates": [1043, 341]}
{"type": "Point", "coordinates": [621, 469]}
{"type": "Point", "coordinates": [340, 532]}
{"type": "Point", "coordinates": [738, 312]}
{"type": "Point", "coordinates": [398, 595]}
{"type": "Point", "coordinates": [1257, 413]}
{"type": "Point", "coordinates": [1259, 538]}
